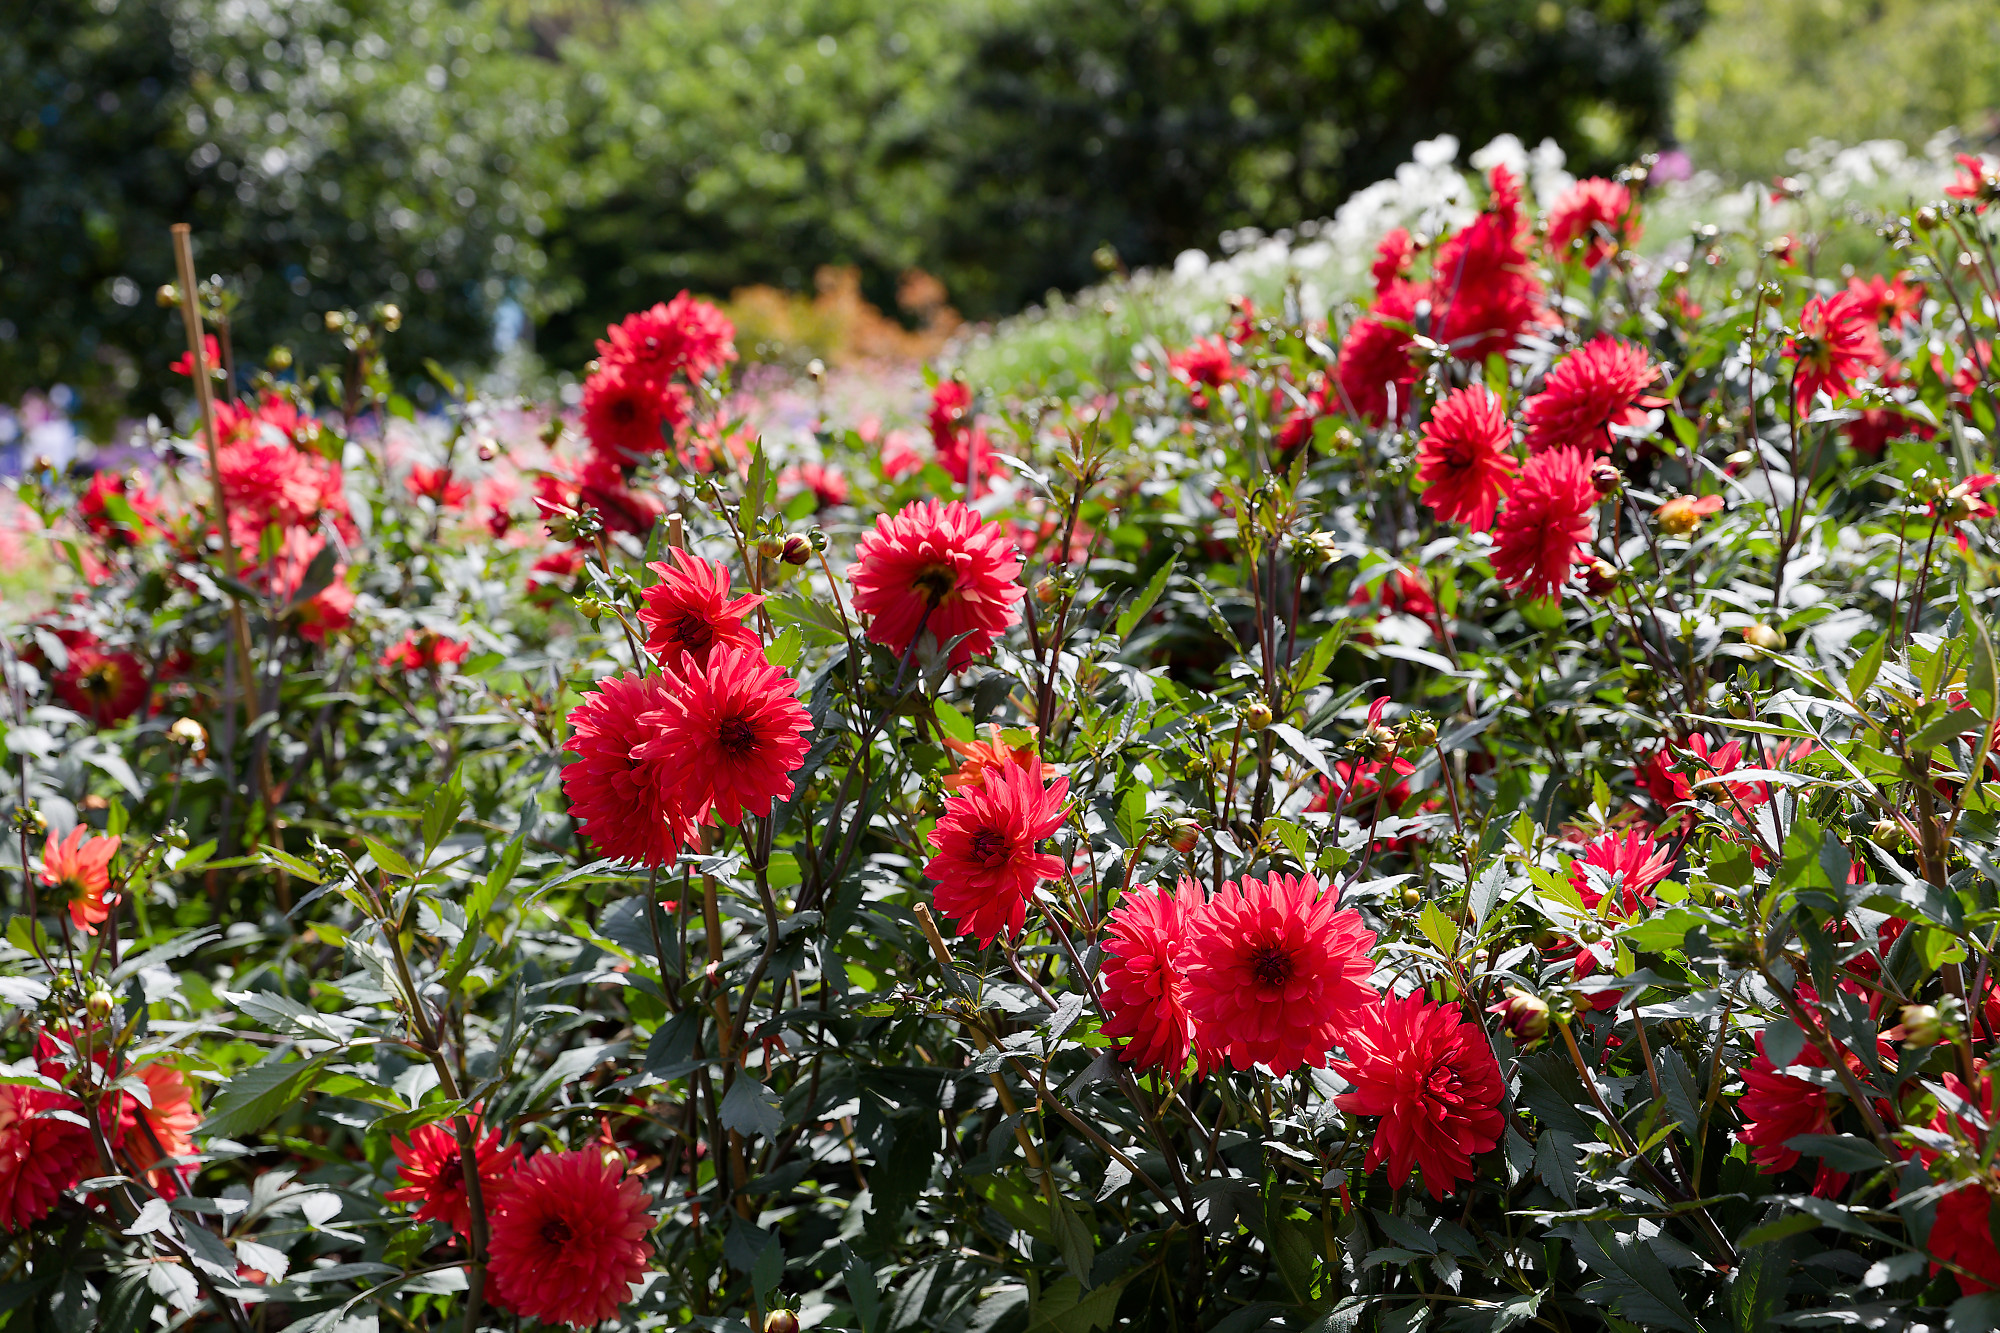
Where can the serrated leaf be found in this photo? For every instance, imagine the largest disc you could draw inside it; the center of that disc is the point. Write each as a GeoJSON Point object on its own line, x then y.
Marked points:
{"type": "Point", "coordinates": [255, 1097]}
{"type": "Point", "coordinates": [751, 1108]}
{"type": "Point", "coordinates": [1132, 815]}
{"type": "Point", "coordinates": [292, 863]}
{"type": "Point", "coordinates": [440, 815]}
{"type": "Point", "coordinates": [1438, 928]}
{"type": "Point", "coordinates": [1862, 674]}
{"type": "Point", "coordinates": [1130, 618]}
{"type": "Point", "coordinates": [387, 857]}
{"type": "Point", "coordinates": [1630, 1278]}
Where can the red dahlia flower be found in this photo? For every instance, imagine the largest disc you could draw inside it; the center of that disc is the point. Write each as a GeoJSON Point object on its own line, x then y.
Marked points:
{"type": "Point", "coordinates": [1145, 999]}
{"type": "Point", "coordinates": [136, 510]}
{"type": "Point", "coordinates": [437, 484]}
{"type": "Point", "coordinates": [1837, 342]}
{"type": "Point", "coordinates": [145, 1137]}
{"type": "Point", "coordinates": [1465, 457]}
{"type": "Point", "coordinates": [730, 731]}
{"type": "Point", "coordinates": [1546, 527]}
{"type": "Point", "coordinates": [986, 866]}
{"type": "Point", "coordinates": [1977, 179]}
{"type": "Point", "coordinates": [1962, 1230]}
{"type": "Point", "coordinates": [950, 410]}
{"type": "Point", "coordinates": [1374, 360]}
{"type": "Point", "coordinates": [569, 1239]}
{"type": "Point", "coordinates": [625, 802]}
{"type": "Point", "coordinates": [628, 416]}
{"type": "Point", "coordinates": [1394, 254]}
{"type": "Point", "coordinates": [79, 870]}
{"type": "Point", "coordinates": [1600, 213]}
{"type": "Point", "coordinates": [683, 336]}
{"type": "Point", "coordinates": [327, 611]}
{"type": "Point", "coordinates": [1777, 1108]}
{"type": "Point", "coordinates": [1431, 1076]}
{"type": "Point", "coordinates": [1893, 300]}
{"type": "Point", "coordinates": [105, 687]}
{"type": "Point", "coordinates": [828, 486]}
{"type": "Point", "coordinates": [937, 568]}
{"type": "Point", "coordinates": [1632, 861]}
{"type": "Point", "coordinates": [1482, 281]}
{"type": "Point", "coordinates": [1275, 972]}
{"type": "Point", "coordinates": [425, 650]}
{"type": "Point", "coordinates": [1206, 361]}
{"type": "Point", "coordinates": [211, 356]}
{"type": "Point", "coordinates": [1590, 393]}
{"type": "Point", "coordinates": [40, 1156]}
{"type": "Point", "coordinates": [689, 610]}
{"type": "Point", "coordinates": [434, 1179]}
{"type": "Point", "coordinates": [598, 484]}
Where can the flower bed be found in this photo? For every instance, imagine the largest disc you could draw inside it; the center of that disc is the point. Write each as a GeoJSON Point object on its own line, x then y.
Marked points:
{"type": "Point", "coordinates": [1470, 815]}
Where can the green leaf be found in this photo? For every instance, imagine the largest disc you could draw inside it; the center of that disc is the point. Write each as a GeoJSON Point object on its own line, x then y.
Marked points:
{"type": "Point", "coordinates": [1842, 1152]}
{"type": "Point", "coordinates": [387, 857]}
{"type": "Point", "coordinates": [1132, 815]}
{"type": "Point", "coordinates": [954, 723]}
{"type": "Point", "coordinates": [753, 493]}
{"type": "Point", "coordinates": [750, 1108]}
{"type": "Point", "coordinates": [440, 815]}
{"type": "Point", "coordinates": [1130, 618]}
{"type": "Point", "coordinates": [1862, 674]}
{"type": "Point", "coordinates": [1757, 1288]}
{"type": "Point", "coordinates": [1438, 928]}
{"type": "Point", "coordinates": [255, 1097]}
{"type": "Point", "coordinates": [128, 1306]}
{"type": "Point", "coordinates": [292, 863]}
{"type": "Point", "coordinates": [1072, 1238]}
{"type": "Point", "coordinates": [784, 650]}
{"type": "Point", "coordinates": [1630, 1279]}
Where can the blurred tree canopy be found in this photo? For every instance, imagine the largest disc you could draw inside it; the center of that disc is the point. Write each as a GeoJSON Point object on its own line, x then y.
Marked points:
{"type": "Point", "coordinates": [580, 157]}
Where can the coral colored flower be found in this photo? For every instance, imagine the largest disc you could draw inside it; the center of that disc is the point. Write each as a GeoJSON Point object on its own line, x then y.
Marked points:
{"type": "Point", "coordinates": [549, 572]}
{"type": "Point", "coordinates": [1837, 342]}
{"type": "Point", "coordinates": [137, 510]}
{"type": "Point", "coordinates": [683, 336]}
{"type": "Point", "coordinates": [1590, 394]}
{"type": "Point", "coordinates": [986, 866]}
{"type": "Point", "coordinates": [1777, 1108]}
{"type": "Point", "coordinates": [1962, 1230]}
{"type": "Point", "coordinates": [625, 802]}
{"type": "Point", "coordinates": [569, 1239]}
{"type": "Point", "coordinates": [145, 1137]}
{"type": "Point", "coordinates": [1205, 362]}
{"type": "Point", "coordinates": [731, 730]}
{"type": "Point", "coordinates": [1145, 1001]}
{"type": "Point", "coordinates": [425, 650]}
{"type": "Point", "coordinates": [1275, 972]}
{"type": "Point", "coordinates": [1599, 213]}
{"type": "Point", "coordinates": [1403, 592]}
{"type": "Point", "coordinates": [1394, 254]}
{"type": "Point", "coordinates": [1893, 300]}
{"type": "Point", "coordinates": [1546, 526]}
{"type": "Point", "coordinates": [689, 610]}
{"type": "Point", "coordinates": [434, 1179]}
{"type": "Point", "coordinates": [79, 870]}
{"type": "Point", "coordinates": [1977, 179]}
{"type": "Point", "coordinates": [1632, 861]}
{"type": "Point", "coordinates": [105, 687]}
{"type": "Point", "coordinates": [327, 611]}
{"type": "Point", "coordinates": [40, 1156]}
{"type": "Point", "coordinates": [1431, 1076]}
{"type": "Point", "coordinates": [900, 458]}
{"type": "Point", "coordinates": [437, 483]}
{"type": "Point", "coordinates": [628, 416]}
{"type": "Point", "coordinates": [1465, 459]}
{"type": "Point", "coordinates": [1374, 363]}
{"type": "Point", "coordinates": [1684, 513]}
{"type": "Point", "coordinates": [828, 486]}
{"type": "Point", "coordinates": [983, 757]}
{"type": "Point", "coordinates": [211, 356]}
{"type": "Point", "coordinates": [1297, 427]}
{"type": "Point", "coordinates": [937, 568]}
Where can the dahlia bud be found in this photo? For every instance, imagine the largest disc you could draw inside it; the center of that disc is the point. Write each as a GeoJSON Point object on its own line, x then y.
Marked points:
{"type": "Point", "coordinates": [1739, 461]}
{"type": "Point", "coordinates": [1927, 218]}
{"type": "Point", "coordinates": [1418, 732]}
{"type": "Point", "coordinates": [1184, 835]}
{"type": "Point", "coordinates": [1047, 590]}
{"type": "Point", "coordinates": [1605, 478]}
{"type": "Point", "coordinates": [1257, 715]}
{"type": "Point", "coordinates": [797, 550]}
{"type": "Point", "coordinates": [1412, 897]}
{"type": "Point", "coordinates": [589, 608]}
{"type": "Point", "coordinates": [167, 296]}
{"type": "Point", "coordinates": [186, 731]}
{"type": "Point", "coordinates": [1525, 1016]}
{"type": "Point", "coordinates": [781, 1321]}
{"type": "Point", "coordinates": [1888, 834]}
{"type": "Point", "coordinates": [278, 359]}
{"type": "Point", "coordinates": [1921, 1025]}
{"type": "Point", "coordinates": [1377, 743]}
{"type": "Point", "coordinates": [770, 546]}
{"type": "Point", "coordinates": [101, 1004]}
{"type": "Point", "coordinates": [175, 835]}
{"type": "Point", "coordinates": [1763, 636]}
{"type": "Point", "coordinates": [1315, 550]}
{"type": "Point", "coordinates": [28, 821]}
{"type": "Point", "coordinates": [1600, 577]}
{"type": "Point", "coordinates": [562, 527]}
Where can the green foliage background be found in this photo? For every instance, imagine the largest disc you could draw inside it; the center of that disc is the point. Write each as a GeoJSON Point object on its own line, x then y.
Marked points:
{"type": "Point", "coordinates": [582, 158]}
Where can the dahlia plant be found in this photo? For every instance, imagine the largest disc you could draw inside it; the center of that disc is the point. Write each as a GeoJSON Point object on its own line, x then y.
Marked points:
{"type": "Point", "coordinates": [1467, 809]}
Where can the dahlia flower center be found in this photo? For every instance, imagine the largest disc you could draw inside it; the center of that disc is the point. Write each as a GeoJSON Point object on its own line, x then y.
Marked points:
{"type": "Point", "coordinates": [557, 1232]}
{"type": "Point", "coordinates": [935, 582]}
{"type": "Point", "coordinates": [1272, 966]}
{"type": "Point", "coordinates": [737, 737]}
{"type": "Point", "coordinates": [72, 887]}
{"type": "Point", "coordinates": [691, 631]}
{"type": "Point", "coordinates": [625, 410]}
{"type": "Point", "coordinates": [989, 846]}
{"type": "Point", "coordinates": [101, 680]}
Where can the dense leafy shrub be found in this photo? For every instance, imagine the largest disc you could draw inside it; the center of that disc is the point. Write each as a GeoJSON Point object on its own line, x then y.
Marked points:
{"type": "Point", "coordinates": [1475, 815]}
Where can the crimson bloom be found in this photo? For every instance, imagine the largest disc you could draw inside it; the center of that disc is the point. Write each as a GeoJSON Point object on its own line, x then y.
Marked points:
{"type": "Point", "coordinates": [1464, 458]}
{"type": "Point", "coordinates": [1204, 362]}
{"type": "Point", "coordinates": [628, 416]}
{"type": "Point", "coordinates": [211, 356]}
{"type": "Point", "coordinates": [1546, 527]}
{"type": "Point", "coordinates": [730, 731]}
{"type": "Point", "coordinates": [986, 866]}
{"type": "Point", "coordinates": [1393, 256]}
{"type": "Point", "coordinates": [425, 650]}
{"type": "Point", "coordinates": [1374, 362]}
{"type": "Point", "coordinates": [598, 484]}
{"type": "Point", "coordinates": [106, 687]}
{"type": "Point", "coordinates": [1670, 789]}
{"type": "Point", "coordinates": [1431, 1076]}
{"type": "Point", "coordinates": [1962, 1230]}
{"type": "Point", "coordinates": [1483, 285]}
{"type": "Point", "coordinates": [624, 801]}
{"type": "Point", "coordinates": [437, 484]}
{"type": "Point", "coordinates": [144, 1137]}
{"type": "Point", "coordinates": [1977, 179]}
{"type": "Point", "coordinates": [40, 1156]}
{"type": "Point", "coordinates": [1599, 213]}
{"type": "Point", "coordinates": [434, 1179]}
{"type": "Point", "coordinates": [569, 1239]}
{"type": "Point", "coordinates": [1777, 1108]}
{"type": "Point", "coordinates": [683, 336]}
{"type": "Point", "coordinates": [117, 508]}
{"type": "Point", "coordinates": [828, 486]}
{"type": "Point", "coordinates": [937, 568]}
{"type": "Point", "coordinates": [1632, 861]}
{"type": "Point", "coordinates": [327, 611]}
{"type": "Point", "coordinates": [1836, 343]}
{"type": "Point", "coordinates": [1588, 395]}
{"type": "Point", "coordinates": [1145, 999]}
{"type": "Point", "coordinates": [79, 869]}
{"type": "Point", "coordinates": [1893, 300]}
{"type": "Point", "coordinates": [689, 610]}
{"type": "Point", "coordinates": [1275, 972]}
